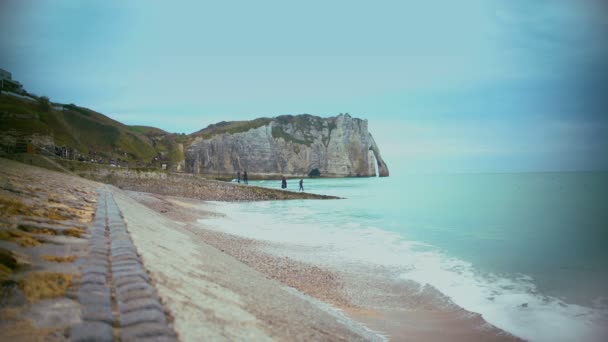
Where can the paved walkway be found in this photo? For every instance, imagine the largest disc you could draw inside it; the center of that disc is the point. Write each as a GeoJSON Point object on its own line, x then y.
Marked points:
{"type": "Point", "coordinates": [117, 297]}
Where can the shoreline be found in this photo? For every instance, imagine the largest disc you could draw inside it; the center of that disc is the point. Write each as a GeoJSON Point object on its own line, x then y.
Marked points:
{"type": "Point", "coordinates": [397, 309]}
{"type": "Point", "coordinates": [433, 317]}
{"type": "Point", "coordinates": [82, 260]}
{"type": "Point", "coordinates": [214, 296]}
{"type": "Point", "coordinates": [214, 285]}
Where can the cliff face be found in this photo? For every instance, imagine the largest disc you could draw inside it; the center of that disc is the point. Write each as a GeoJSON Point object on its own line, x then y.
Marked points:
{"type": "Point", "coordinates": [287, 145]}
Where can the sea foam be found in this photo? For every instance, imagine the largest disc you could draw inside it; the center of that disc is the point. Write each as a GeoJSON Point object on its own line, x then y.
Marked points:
{"type": "Point", "coordinates": [513, 304]}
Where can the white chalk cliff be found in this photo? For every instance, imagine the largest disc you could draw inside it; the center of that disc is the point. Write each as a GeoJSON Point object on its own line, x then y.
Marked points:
{"type": "Point", "coordinates": [299, 145]}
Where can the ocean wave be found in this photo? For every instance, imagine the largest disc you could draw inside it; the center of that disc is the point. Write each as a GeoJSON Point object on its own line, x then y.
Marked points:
{"type": "Point", "coordinates": [512, 303]}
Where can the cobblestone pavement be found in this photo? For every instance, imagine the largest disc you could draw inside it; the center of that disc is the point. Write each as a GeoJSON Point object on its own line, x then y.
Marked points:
{"type": "Point", "coordinates": [118, 300]}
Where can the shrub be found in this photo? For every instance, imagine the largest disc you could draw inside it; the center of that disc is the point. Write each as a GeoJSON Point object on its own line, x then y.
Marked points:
{"type": "Point", "coordinates": [44, 105]}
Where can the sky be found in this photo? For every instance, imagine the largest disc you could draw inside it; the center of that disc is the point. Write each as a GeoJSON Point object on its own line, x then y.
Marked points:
{"type": "Point", "coordinates": [447, 86]}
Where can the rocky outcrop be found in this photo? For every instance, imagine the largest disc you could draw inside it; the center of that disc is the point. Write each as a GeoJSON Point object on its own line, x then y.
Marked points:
{"type": "Point", "coordinates": [382, 168]}
{"type": "Point", "coordinates": [288, 145]}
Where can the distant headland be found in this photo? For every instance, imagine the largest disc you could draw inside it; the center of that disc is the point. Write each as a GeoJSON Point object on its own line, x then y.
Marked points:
{"type": "Point", "coordinates": [288, 145]}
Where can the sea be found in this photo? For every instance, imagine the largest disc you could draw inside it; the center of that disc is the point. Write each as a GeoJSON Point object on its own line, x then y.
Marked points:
{"type": "Point", "coordinates": [527, 251]}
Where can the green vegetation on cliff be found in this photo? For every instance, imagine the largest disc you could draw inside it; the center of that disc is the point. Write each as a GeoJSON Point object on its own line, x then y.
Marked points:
{"type": "Point", "coordinates": [79, 128]}
{"type": "Point", "coordinates": [77, 133]}
{"type": "Point", "coordinates": [231, 127]}
{"type": "Point", "coordinates": [278, 132]}
{"type": "Point", "coordinates": [304, 124]}
{"type": "Point", "coordinates": [147, 130]}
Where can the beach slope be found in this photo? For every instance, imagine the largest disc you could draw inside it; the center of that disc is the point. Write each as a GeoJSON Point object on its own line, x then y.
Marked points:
{"type": "Point", "coordinates": [213, 296]}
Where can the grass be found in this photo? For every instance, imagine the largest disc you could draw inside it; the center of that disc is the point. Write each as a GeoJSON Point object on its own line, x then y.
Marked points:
{"type": "Point", "coordinates": [80, 128]}
{"type": "Point", "coordinates": [7, 259]}
{"type": "Point", "coordinates": [60, 259]}
{"type": "Point", "coordinates": [232, 127]}
{"type": "Point", "coordinates": [12, 207]}
{"type": "Point", "coordinates": [36, 230]}
{"type": "Point", "coordinates": [304, 124]}
{"type": "Point", "coordinates": [42, 285]}
{"type": "Point", "coordinates": [38, 160]}
{"type": "Point", "coordinates": [7, 264]}
{"type": "Point", "coordinates": [147, 130]}
{"type": "Point", "coordinates": [74, 232]}
{"type": "Point", "coordinates": [279, 133]}
{"type": "Point", "coordinates": [56, 215]}
{"type": "Point", "coordinates": [14, 105]}
{"type": "Point", "coordinates": [22, 238]}
{"type": "Point", "coordinates": [5, 272]}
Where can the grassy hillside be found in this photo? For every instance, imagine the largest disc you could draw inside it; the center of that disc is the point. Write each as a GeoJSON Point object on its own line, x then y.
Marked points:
{"type": "Point", "coordinates": [147, 130]}
{"type": "Point", "coordinates": [93, 134]}
{"type": "Point", "coordinates": [80, 128]}
{"type": "Point", "coordinates": [231, 127]}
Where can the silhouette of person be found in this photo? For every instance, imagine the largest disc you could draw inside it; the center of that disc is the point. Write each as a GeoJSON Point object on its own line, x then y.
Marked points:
{"type": "Point", "coordinates": [238, 177]}
{"type": "Point", "coordinates": [284, 183]}
{"type": "Point", "coordinates": [245, 180]}
{"type": "Point", "coordinates": [301, 184]}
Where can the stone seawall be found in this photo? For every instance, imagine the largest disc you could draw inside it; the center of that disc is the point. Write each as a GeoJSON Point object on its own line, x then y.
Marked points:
{"type": "Point", "coordinates": [114, 276]}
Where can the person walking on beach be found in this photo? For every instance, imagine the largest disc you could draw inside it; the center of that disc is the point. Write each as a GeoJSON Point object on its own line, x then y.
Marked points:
{"type": "Point", "coordinates": [245, 178]}
{"type": "Point", "coordinates": [238, 177]}
{"type": "Point", "coordinates": [284, 183]}
{"type": "Point", "coordinates": [301, 184]}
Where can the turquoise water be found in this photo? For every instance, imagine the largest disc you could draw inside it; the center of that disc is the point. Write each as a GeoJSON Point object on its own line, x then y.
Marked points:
{"type": "Point", "coordinates": [526, 250]}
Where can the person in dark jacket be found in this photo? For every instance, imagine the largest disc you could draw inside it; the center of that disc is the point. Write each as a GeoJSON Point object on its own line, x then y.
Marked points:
{"type": "Point", "coordinates": [301, 184]}
{"type": "Point", "coordinates": [284, 183]}
{"type": "Point", "coordinates": [245, 180]}
{"type": "Point", "coordinates": [238, 177]}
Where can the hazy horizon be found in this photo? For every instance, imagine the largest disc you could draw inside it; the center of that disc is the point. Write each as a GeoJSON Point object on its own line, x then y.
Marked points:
{"type": "Point", "coordinates": [473, 86]}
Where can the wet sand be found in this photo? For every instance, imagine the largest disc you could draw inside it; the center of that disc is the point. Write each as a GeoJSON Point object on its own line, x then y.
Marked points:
{"type": "Point", "coordinates": [393, 308]}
